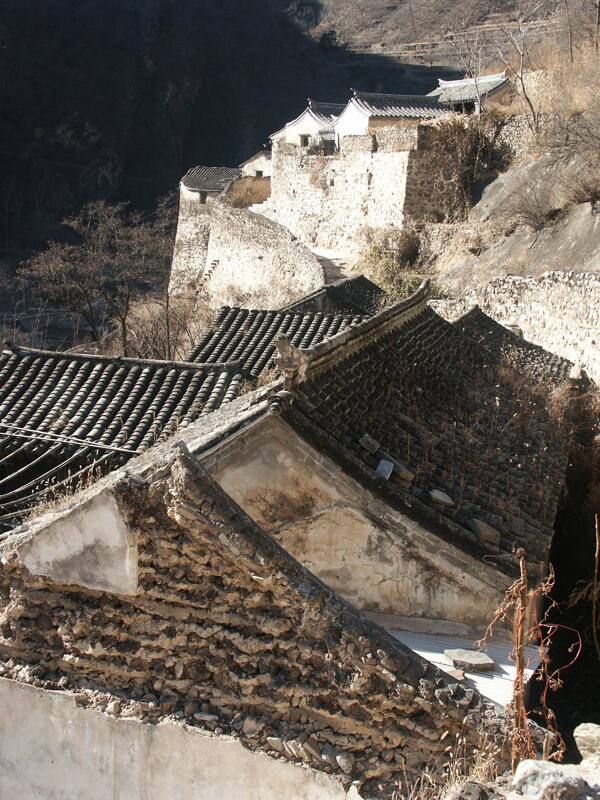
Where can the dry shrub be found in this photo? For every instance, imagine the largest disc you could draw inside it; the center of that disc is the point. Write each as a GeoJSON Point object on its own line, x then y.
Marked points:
{"type": "Point", "coordinates": [461, 152]}
{"type": "Point", "coordinates": [582, 183]}
{"type": "Point", "coordinates": [245, 192]}
{"type": "Point", "coordinates": [558, 401]}
{"type": "Point", "coordinates": [388, 258]}
{"type": "Point", "coordinates": [268, 376]}
{"type": "Point", "coordinates": [460, 763]}
{"type": "Point", "coordinates": [163, 328]}
{"type": "Point", "coordinates": [533, 207]}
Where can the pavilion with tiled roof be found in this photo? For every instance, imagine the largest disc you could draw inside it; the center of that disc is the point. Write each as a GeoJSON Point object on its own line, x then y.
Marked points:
{"type": "Point", "coordinates": [398, 106]}
{"type": "Point", "coordinates": [367, 111]}
{"type": "Point", "coordinates": [317, 118]}
{"type": "Point", "coordinates": [468, 92]}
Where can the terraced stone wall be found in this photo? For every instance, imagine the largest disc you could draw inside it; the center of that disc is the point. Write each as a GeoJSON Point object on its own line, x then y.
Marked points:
{"type": "Point", "coordinates": [228, 633]}
{"type": "Point", "coordinates": [558, 310]}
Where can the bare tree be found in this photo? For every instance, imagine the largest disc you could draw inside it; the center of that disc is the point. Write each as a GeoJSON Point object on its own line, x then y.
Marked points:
{"type": "Point", "coordinates": [472, 48]}
{"type": "Point", "coordinates": [118, 259]}
{"type": "Point", "coordinates": [516, 50]}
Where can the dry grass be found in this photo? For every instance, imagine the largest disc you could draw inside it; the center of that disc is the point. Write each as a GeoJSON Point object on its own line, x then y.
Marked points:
{"type": "Point", "coordinates": [459, 764]}
{"type": "Point", "coordinates": [389, 257]}
{"type": "Point", "coordinates": [248, 191]}
{"type": "Point", "coordinates": [534, 207]}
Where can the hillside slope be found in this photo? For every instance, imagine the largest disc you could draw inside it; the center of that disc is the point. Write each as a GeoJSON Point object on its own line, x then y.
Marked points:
{"type": "Point", "coordinates": [116, 100]}
{"type": "Point", "coordinates": [363, 23]}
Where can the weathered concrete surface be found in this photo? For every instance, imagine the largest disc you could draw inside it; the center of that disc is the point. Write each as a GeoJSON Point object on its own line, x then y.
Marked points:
{"type": "Point", "coordinates": [87, 544]}
{"type": "Point", "coordinates": [374, 557]}
{"type": "Point", "coordinates": [50, 749]}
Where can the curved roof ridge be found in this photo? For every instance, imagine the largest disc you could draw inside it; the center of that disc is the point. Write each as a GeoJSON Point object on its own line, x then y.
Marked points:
{"type": "Point", "coordinates": [495, 77]}
{"type": "Point", "coordinates": [300, 364]}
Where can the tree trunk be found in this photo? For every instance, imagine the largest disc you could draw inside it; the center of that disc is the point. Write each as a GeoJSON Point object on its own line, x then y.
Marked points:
{"type": "Point", "coordinates": [124, 336]}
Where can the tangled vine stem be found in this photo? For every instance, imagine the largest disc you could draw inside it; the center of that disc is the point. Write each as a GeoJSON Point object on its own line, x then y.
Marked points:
{"type": "Point", "coordinates": [595, 579]}
{"type": "Point", "coordinates": [520, 608]}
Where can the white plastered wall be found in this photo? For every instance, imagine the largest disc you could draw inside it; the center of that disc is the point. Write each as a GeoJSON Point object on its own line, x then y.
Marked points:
{"type": "Point", "coordinates": [376, 558]}
{"type": "Point", "coordinates": [51, 749]}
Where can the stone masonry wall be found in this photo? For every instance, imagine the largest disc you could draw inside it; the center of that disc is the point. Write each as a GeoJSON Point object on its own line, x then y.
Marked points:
{"type": "Point", "coordinates": [558, 310]}
{"type": "Point", "coordinates": [237, 257]}
{"type": "Point", "coordinates": [373, 181]}
{"type": "Point", "coordinates": [191, 246]}
{"type": "Point", "coordinates": [255, 262]}
{"type": "Point", "coordinates": [227, 632]}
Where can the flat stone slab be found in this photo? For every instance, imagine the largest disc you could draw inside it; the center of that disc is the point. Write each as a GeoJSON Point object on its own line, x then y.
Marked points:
{"type": "Point", "coordinates": [469, 660]}
{"type": "Point", "coordinates": [441, 498]}
{"type": "Point", "coordinates": [485, 532]}
{"type": "Point", "coordinates": [385, 469]}
{"type": "Point", "coordinates": [368, 443]}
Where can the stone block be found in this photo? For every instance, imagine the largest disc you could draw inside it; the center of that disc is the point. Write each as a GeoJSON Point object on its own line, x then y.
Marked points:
{"type": "Point", "coordinates": [543, 780]}
{"type": "Point", "coordinates": [384, 469]}
{"type": "Point", "coordinates": [441, 498]}
{"type": "Point", "coordinates": [345, 762]}
{"type": "Point", "coordinates": [587, 739]}
{"type": "Point", "coordinates": [469, 660]}
{"type": "Point", "coordinates": [369, 444]}
{"type": "Point", "coordinates": [486, 533]}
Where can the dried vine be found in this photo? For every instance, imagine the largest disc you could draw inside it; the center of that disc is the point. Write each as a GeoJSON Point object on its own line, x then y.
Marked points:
{"type": "Point", "coordinates": [519, 608]}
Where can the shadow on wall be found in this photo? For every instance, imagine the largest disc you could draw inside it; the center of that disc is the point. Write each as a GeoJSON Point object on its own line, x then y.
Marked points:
{"type": "Point", "coordinates": [116, 100]}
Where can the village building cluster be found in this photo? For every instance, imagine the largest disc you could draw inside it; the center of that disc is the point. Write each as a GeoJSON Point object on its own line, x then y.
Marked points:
{"type": "Point", "coordinates": [334, 172]}
{"type": "Point", "coordinates": [261, 570]}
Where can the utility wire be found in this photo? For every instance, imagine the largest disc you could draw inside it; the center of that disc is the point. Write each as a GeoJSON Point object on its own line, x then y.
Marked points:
{"type": "Point", "coordinates": [56, 438]}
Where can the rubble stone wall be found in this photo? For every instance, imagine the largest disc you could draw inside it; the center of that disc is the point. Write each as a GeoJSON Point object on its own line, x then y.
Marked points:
{"type": "Point", "coordinates": [374, 181]}
{"type": "Point", "coordinates": [237, 257]}
{"type": "Point", "coordinates": [558, 310]}
{"type": "Point", "coordinates": [228, 632]}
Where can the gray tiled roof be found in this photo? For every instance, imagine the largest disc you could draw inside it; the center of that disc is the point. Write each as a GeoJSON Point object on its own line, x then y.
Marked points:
{"type": "Point", "coordinates": [466, 90]}
{"type": "Point", "coordinates": [327, 112]}
{"type": "Point", "coordinates": [62, 415]}
{"type": "Point", "coordinates": [210, 179]}
{"type": "Point", "coordinates": [356, 295]}
{"type": "Point", "coordinates": [248, 336]}
{"type": "Point", "coordinates": [529, 358]}
{"type": "Point", "coordinates": [446, 405]}
{"type": "Point", "coordinates": [399, 105]}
